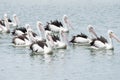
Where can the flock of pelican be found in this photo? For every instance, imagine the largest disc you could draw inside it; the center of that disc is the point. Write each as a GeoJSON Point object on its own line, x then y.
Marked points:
{"type": "Point", "coordinates": [52, 35]}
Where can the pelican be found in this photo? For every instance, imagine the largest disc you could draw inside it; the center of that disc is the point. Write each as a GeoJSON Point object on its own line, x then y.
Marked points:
{"type": "Point", "coordinates": [22, 39]}
{"type": "Point", "coordinates": [56, 26]}
{"type": "Point", "coordinates": [19, 31]}
{"type": "Point", "coordinates": [39, 46]}
{"type": "Point", "coordinates": [2, 22]}
{"type": "Point", "coordinates": [102, 43]}
{"type": "Point", "coordinates": [83, 39]}
{"type": "Point", "coordinates": [15, 22]}
{"type": "Point", "coordinates": [9, 20]}
{"type": "Point", "coordinates": [57, 41]}
{"type": "Point", "coordinates": [4, 27]}
{"type": "Point", "coordinates": [80, 38]}
{"type": "Point", "coordinates": [41, 32]}
{"type": "Point", "coordinates": [22, 30]}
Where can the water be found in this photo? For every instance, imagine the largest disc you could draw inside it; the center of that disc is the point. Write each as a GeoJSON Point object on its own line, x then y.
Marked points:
{"type": "Point", "coordinates": [75, 63]}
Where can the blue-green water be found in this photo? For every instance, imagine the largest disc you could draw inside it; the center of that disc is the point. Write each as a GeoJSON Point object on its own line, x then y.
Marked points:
{"type": "Point", "coordinates": [75, 63]}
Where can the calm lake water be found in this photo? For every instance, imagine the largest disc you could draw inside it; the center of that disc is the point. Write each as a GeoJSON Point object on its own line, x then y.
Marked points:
{"type": "Point", "coordinates": [74, 63]}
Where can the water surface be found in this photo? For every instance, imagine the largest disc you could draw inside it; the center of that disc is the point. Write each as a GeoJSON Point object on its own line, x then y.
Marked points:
{"type": "Point", "coordinates": [75, 63]}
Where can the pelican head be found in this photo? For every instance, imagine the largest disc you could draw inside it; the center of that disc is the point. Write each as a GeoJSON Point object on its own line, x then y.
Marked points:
{"type": "Point", "coordinates": [28, 28]}
{"type": "Point", "coordinates": [90, 28]}
{"type": "Point", "coordinates": [112, 35]}
{"type": "Point", "coordinates": [40, 26]}
{"type": "Point", "coordinates": [14, 15]}
{"type": "Point", "coordinates": [65, 18]}
{"type": "Point", "coordinates": [110, 32]}
{"type": "Point", "coordinates": [67, 22]}
{"type": "Point", "coordinates": [39, 23]}
{"type": "Point", "coordinates": [5, 15]}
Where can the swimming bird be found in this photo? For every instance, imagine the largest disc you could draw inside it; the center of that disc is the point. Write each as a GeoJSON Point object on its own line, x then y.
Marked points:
{"type": "Point", "coordinates": [15, 22]}
{"type": "Point", "coordinates": [82, 38]}
{"type": "Point", "coordinates": [19, 31]}
{"type": "Point", "coordinates": [4, 26]}
{"type": "Point", "coordinates": [41, 32]}
{"type": "Point", "coordinates": [40, 46]}
{"type": "Point", "coordinates": [22, 38]}
{"type": "Point", "coordinates": [2, 21]}
{"type": "Point", "coordinates": [22, 30]}
{"type": "Point", "coordinates": [57, 41]}
{"type": "Point", "coordinates": [56, 25]}
{"type": "Point", "coordinates": [102, 43]}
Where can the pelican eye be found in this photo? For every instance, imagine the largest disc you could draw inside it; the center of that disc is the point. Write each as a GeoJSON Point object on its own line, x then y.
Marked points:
{"type": "Point", "coordinates": [111, 32]}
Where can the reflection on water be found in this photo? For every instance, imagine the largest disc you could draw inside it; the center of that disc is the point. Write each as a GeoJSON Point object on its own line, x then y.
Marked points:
{"type": "Point", "coordinates": [103, 52]}
{"type": "Point", "coordinates": [74, 63]}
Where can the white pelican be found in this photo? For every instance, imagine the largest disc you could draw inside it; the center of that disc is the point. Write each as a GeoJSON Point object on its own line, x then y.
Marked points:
{"type": "Point", "coordinates": [9, 20]}
{"type": "Point", "coordinates": [22, 39]}
{"type": "Point", "coordinates": [15, 22]}
{"type": "Point", "coordinates": [57, 41]}
{"type": "Point", "coordinates": [41, 32]}
{"type": "Point", "coordinates": [83, 39]}
{"type": "Point", "coordinates": [22, 30]}
{"type": "Point", "coordinates": [5, 28]}
{"type": "Point", "coordinates": [56, 26]}
{"type": "Point", "coordinates": [102, 43]}
{"type": "Point", "coordinates": [40, 29]}
{"type": "Point", "coordinates": [39, 46]}
{"type": "Point", "coordinates": [19, 31]}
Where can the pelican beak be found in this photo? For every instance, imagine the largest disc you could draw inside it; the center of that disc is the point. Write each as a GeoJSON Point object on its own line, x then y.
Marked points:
{"type": "Point", "coordinates": [28, 27]}
{"type": "Point", "coordinates": [50, 38]}
{"type": "Point", "coordinates": [91, 30]}
{"type": "Point", "coordinates": [40, 27]}
{"type": "Point", "coordinates": [16, 19]}
{"type": "Point", "coordinates": [112, 35]}
{"type": "Point", "coordinates": [6, 23]}
{"type": "Point", "coordinates": [68, 22]}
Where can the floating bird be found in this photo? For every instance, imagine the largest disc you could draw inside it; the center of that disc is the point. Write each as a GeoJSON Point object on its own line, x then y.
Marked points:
{"type": "Point", "coordinates": [80, 38]}
{"type": "Point", "coordinates": [56, 25]}
{"type": "Point", "coordinates": [57, 41]}
{"type": "Point", "coordinates": [40, 46]}
{"type": "Point", "coordinates": [83, 39]}
{"type": "Point", "coordinates": [41, 32]}
{"type": "Point", "coordinates": [2, 21]}
{"type": "Point", "coordinates": [22, 38]}
{"type": "Point", "coordinates": [4, 26]}
{"type": "Point", "coordinates": [102, 43]}
{"type": "Point", "coordinates": [15, 22]}
{"type": "Point", "coordinates": [19, 31]}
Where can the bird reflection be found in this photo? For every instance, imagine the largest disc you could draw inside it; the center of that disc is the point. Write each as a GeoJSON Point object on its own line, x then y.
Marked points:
{"type": "Point", "coordinates": [103, 52]}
